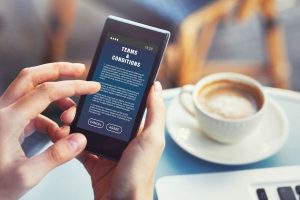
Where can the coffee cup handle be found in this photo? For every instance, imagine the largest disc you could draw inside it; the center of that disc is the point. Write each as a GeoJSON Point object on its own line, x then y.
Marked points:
{"type": "Point", "coordinates": [186, 100]}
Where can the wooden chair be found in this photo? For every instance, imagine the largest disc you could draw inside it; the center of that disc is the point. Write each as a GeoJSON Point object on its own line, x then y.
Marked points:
{"type": "Point", "coordinates": [188, 55]}
{"type": "Point", "coordinates": [61, 19]}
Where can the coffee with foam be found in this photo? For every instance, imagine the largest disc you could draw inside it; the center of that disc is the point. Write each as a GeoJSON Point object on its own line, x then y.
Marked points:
{"type": "Point", "coordinates": [229, 100]}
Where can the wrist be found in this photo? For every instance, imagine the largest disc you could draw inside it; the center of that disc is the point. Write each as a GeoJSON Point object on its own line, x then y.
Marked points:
{"type": "Point", "coordinates": [133, 192]}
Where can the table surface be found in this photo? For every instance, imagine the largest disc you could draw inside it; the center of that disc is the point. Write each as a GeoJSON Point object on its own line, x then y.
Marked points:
{"type": "Point", "coordinates": [64, 181]}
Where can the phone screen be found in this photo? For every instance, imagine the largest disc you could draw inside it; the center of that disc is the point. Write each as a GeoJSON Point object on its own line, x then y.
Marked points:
{"type": "Point", "coordinates": [123, 69]}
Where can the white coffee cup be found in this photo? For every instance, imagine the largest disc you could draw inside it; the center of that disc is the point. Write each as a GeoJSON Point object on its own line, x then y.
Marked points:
{"type": "Point", "coordinates": [218, 123]}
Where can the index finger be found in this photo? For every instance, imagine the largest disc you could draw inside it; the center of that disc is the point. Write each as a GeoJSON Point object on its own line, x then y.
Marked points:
{"type": "Point", "coordinates": [38, 100]}
{"type": "Point", "coordinates": [31, 77]}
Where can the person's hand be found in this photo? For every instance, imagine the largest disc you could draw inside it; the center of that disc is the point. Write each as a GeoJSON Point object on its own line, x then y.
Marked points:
{"type": "Point", "coordinates": [20, 115]}
{"type": "Point", "coordinates": [132, 177]}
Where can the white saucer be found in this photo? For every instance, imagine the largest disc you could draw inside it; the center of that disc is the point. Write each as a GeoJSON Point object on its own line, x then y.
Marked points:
{"type": "Point", "coordinates": [265, 141]}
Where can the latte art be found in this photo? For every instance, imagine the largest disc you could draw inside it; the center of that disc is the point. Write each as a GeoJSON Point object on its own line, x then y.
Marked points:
{"type": "Point", "coordinates": [228, 100]}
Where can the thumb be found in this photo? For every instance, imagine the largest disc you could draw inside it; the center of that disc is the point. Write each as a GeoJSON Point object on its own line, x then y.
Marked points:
{"type": "Point", "coordinates": [155, 118]}
{"type": "Point", "coordinates": [60, 152]}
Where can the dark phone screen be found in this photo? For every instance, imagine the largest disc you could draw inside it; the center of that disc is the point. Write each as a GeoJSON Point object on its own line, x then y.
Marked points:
{"type": "Point", "coordinates": [123, 69]}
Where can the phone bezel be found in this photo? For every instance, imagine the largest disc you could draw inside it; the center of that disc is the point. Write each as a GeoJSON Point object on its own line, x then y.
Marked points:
{"type": "Point", "coordinates": [100, 144]}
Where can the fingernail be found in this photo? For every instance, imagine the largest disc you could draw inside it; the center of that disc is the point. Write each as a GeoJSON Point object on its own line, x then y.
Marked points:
{"type": "Point", "coordinates": [96, 84]}
{"type": "Point", "coordinates": [76, 141]}
{"type": "Point", "coordinates": [157, 87]}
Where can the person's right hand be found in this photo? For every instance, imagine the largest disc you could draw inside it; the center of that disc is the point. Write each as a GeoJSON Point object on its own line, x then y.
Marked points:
{"type": "Point", "coordinates": [20, 115]}
{"type": "Point", "coordinates": [132, 177]}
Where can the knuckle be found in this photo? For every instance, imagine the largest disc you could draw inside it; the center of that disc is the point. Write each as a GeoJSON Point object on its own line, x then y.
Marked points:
{"type": "Point", "coordinates": [46, 88]}
{"type": "Point", "coordinates": [77, 85]}
{"type": "Point", "coordinates": [56, 155]}
{"type": "Point", "coordinates": [58, 65]}
{"type": "Point", "coordinates": [60, 153]}
{"type": "Point", "coordinates": [25, 72]}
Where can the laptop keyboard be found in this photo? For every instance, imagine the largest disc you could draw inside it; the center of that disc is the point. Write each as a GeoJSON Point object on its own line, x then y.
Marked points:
{"type": "Point", "coordinates": [283, 192]}
{"type": "Point", "coordinates": [278, 183]}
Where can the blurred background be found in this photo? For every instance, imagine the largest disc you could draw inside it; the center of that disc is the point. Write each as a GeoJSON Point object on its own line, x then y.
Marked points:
{"type": "Point", "coordinates": [256, 37]}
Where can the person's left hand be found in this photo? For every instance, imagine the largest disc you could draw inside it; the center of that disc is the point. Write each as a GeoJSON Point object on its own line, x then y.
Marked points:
{"type": "Point", "coordinates": [20, 115]}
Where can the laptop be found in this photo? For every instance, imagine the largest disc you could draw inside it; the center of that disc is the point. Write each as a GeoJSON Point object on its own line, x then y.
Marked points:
{"type": "Point", "coordinates": [279, 183]}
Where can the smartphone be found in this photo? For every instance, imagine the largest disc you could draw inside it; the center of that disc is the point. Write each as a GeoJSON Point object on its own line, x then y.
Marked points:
{"type": "Point", "coordinates": [126, 63]}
